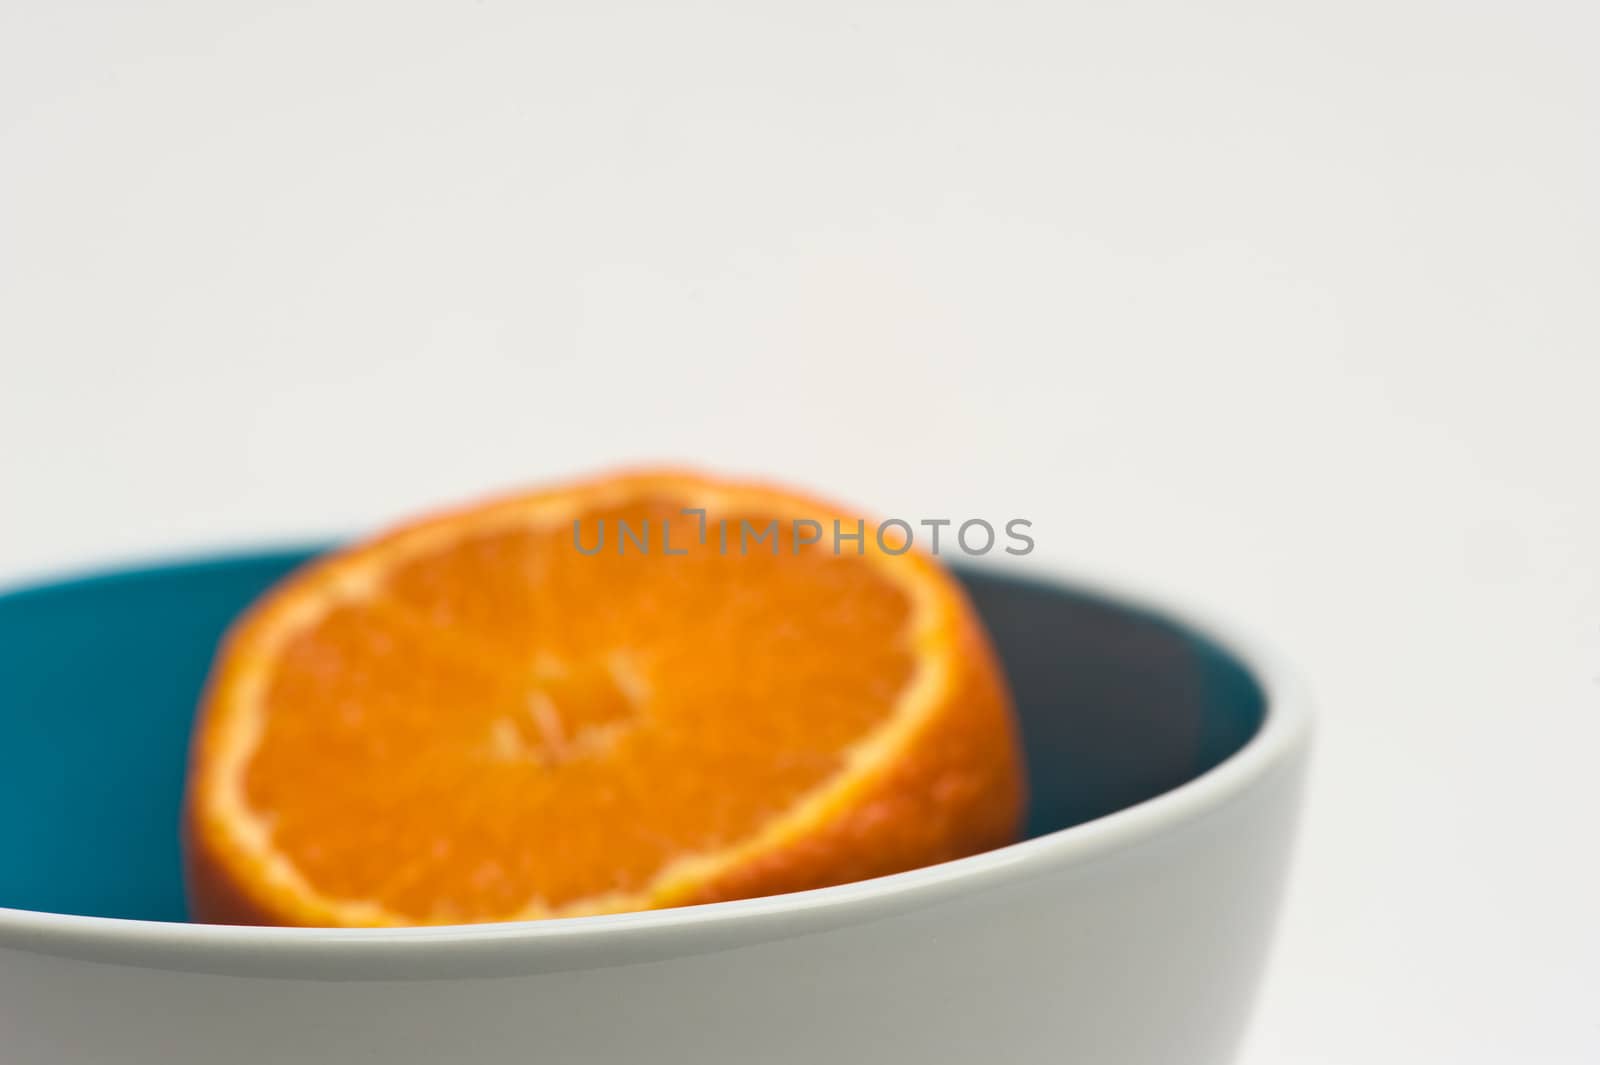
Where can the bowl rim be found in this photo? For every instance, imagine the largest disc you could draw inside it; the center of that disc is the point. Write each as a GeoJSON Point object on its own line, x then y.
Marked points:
{"type": "Point", "coordinates": [518, 947]}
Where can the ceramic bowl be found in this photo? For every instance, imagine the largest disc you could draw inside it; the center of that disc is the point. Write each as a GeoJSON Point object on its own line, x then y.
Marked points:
{"type": "Point", "coordinates": [1128, 928]}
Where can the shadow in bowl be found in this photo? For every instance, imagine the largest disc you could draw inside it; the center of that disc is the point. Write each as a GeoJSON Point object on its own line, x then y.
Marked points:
{"type": "Point", "coordinates": [99, 678]}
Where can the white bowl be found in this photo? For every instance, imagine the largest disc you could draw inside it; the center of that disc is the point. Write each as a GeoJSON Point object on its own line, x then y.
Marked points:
{"type": "Point", "coordinates": [1166, 757]}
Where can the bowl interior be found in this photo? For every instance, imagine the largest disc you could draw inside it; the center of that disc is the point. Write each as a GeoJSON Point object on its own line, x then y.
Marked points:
{"type": "Point", "coordinates": [99, 678]}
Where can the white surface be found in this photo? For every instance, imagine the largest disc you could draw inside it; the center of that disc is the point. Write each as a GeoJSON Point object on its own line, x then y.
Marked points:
{"type": "Point", "coordinates": [1291, 310]}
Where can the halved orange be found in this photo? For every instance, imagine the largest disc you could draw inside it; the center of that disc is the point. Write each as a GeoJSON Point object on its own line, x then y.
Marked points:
{"type": "Point", "coordinates": [579, 701]}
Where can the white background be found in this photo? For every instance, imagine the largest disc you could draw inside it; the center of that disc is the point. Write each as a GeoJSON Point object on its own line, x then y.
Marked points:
{"type": "Point", "coordinates": [1289, 307]}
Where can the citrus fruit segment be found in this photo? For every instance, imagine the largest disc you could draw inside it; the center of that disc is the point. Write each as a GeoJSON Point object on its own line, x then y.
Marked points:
{"type": "Point", "coordinates": [641, 691]}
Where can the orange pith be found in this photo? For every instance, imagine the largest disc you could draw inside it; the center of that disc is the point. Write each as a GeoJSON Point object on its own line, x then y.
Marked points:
{"type": "Point", "coordinates": [471, 719]}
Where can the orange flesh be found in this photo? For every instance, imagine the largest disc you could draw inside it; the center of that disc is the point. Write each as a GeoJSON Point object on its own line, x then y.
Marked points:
{"type": "Point", "coordinates": [503, 722]}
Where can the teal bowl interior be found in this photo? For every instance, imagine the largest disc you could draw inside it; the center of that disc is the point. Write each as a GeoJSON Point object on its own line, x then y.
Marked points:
{"type": "Point", "coordinates": [99, 679]}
